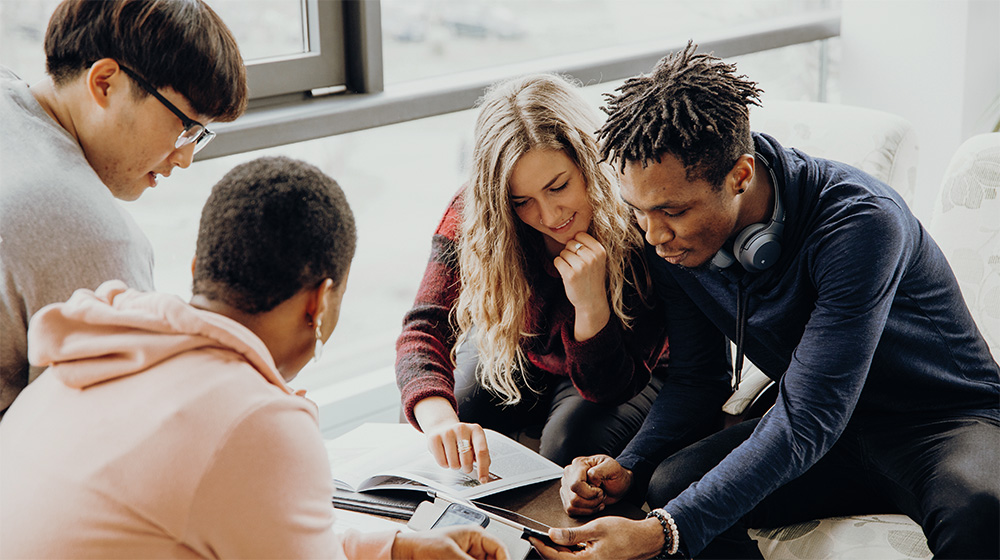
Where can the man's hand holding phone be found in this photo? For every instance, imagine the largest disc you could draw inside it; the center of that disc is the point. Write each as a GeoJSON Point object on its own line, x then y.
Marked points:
{"type": "Point", "coordinates": [544, 538]}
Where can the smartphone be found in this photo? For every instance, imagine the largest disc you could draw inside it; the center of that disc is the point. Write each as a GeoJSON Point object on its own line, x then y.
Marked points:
{"type": "Point", "coordinates": [540, 535]}
{"type": "Point", "coordinates": [544, 537]}
{"type": "Point", "coordinates": [459, 514]}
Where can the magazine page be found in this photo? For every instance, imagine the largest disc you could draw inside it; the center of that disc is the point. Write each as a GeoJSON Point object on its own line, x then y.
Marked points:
{"type": "Point", "coordinates": [379, 456]}
{"type": "Point", "coordinates": [370, 449]}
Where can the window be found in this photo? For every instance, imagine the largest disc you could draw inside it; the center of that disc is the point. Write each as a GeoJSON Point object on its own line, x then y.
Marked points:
{"type": "Point", "coordinates": [270, 29]}
{"type": "Point", "coordinates": [428, 38]}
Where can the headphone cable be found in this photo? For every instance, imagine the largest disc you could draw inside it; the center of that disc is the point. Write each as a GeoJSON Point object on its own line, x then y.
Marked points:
{"type": "Point", "coordinates": [742, 317]}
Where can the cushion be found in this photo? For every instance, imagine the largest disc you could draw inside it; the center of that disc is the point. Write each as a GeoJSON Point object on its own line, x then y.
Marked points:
{"type": "Point", "coordinates": [879, 143]}
{"type": "Point", "coordinates": [859, 537]}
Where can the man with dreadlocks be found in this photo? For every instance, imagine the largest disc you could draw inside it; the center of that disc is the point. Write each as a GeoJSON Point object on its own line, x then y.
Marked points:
{"type": "Point", "coordinates": [889, 399]}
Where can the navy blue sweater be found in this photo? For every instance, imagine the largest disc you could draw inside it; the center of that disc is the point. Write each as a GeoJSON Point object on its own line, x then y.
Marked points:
{"type": "Point", "coordinates": [861, 316]}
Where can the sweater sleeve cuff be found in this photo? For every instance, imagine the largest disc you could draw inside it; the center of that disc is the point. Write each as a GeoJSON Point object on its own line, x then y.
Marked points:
{"type": "Point", "coordinates": [642, 471]}
{"type": "Point", "coordinates": [596, 346]}
{"type": "Point", "coordinates": [419, 390]}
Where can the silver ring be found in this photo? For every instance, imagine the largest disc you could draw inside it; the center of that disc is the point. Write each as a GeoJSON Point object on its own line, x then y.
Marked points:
{"type": "Point", "coordinates": [464, 445]}
{"type": "Point", "coordinates": [577, 247]}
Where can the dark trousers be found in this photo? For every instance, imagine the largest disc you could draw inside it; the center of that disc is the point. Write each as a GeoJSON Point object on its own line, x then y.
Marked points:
{"type": "Point", "coordinates": [944, 473]}
{"type": "Point", "coordinates": [570, 426]}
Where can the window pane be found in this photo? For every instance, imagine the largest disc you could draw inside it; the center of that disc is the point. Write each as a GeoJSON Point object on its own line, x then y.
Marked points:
{"type": "Point", "coordinates": [265, 28]}
{"type": "Point", "coordinates": [771, 70]}
{"type": "Point", "coordinates": [424, 38]}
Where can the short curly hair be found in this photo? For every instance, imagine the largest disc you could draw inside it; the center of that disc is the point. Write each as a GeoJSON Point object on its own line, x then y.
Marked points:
{"type": "Point", "coordinates": [270, 228]}
{"type": "Point", "coordinates": [692, 106]}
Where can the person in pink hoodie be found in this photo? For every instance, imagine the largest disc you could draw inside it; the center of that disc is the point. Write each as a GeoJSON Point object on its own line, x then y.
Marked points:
{"type": "Point", "coordinates": [166, 429]}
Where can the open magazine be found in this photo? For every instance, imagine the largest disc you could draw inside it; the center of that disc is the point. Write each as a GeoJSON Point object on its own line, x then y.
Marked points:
{"type": "Point", "coordinates": [377, 456]}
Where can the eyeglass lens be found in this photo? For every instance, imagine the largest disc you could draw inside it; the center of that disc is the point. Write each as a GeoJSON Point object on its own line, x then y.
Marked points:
{"type": "Point", "coordinates": [196, 133]}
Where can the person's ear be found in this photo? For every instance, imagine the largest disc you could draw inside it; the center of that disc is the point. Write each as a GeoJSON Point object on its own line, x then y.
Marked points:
{"type": "Point", "coordinates": [194, 260]}
{"type": "Point", "coordinates": [318, 302]}
{"type": "Point", "coordinates": [104, 78]}
{"type": "Point", "coordinates": [741, 174]}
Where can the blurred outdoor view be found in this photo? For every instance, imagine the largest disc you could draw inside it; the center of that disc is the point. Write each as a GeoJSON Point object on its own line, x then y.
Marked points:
{"type": "Point", "coordinates": [399, 178]}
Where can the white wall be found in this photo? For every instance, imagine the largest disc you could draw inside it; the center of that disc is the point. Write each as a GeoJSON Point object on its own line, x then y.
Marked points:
{"type": "Point", "coordinates": [935, 62]}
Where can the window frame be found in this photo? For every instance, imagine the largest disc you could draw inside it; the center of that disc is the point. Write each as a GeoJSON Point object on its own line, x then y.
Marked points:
{"type": "Point", "coordinates": [365, 102]}
{"type": "Point", "coordinates": [322, 65]}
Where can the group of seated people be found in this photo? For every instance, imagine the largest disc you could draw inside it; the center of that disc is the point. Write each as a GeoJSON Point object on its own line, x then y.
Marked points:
{"type": "Point", "coordinates": [588, 277]}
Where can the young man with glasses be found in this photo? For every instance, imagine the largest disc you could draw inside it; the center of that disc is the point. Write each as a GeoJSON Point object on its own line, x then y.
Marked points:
{"type": "Point", "coordinates": [129, 85]}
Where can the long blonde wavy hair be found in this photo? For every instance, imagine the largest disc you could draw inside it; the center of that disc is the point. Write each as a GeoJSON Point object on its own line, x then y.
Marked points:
{"type": "Point", "coordinates": [541, 111]}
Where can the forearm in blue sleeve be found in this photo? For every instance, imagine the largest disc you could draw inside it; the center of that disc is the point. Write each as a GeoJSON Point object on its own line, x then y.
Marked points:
{"type": "Point", "coordinates": [684, 410]}
{"type": "Point", "coordinates": [698, 383]}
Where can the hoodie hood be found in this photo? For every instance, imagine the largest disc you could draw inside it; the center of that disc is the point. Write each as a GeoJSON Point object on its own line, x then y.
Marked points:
{"type": "Point", "coordinates": [113, 332]}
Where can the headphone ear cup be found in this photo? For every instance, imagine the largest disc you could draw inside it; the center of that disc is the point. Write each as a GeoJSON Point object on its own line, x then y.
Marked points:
{"type": "Point", "coordinates": [756, 248]}
{"type": "Point", "coordinates": [742, 240]}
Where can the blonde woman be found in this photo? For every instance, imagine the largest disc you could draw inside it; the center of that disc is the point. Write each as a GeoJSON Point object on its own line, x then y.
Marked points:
{"type": "Point", "coordinates": [535, 305]}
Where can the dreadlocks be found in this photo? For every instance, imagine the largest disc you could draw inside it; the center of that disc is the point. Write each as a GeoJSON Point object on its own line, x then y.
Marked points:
{"type": "Point", "coordinates": [692, 106]}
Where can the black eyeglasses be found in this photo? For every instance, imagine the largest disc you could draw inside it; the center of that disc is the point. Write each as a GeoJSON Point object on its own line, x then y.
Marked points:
{"type": "Point", "coordinates": [193, 131]}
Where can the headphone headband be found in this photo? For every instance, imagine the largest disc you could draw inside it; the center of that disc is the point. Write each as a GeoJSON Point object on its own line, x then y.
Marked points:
{"type": "Point", "coordinates": [778, 216]}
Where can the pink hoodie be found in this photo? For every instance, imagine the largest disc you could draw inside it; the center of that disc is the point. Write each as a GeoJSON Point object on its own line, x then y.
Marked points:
{"type": "Point", "coordinates": [161, 430]}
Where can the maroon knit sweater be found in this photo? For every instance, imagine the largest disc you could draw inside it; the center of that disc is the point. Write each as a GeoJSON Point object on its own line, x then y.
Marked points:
{"type": "Point", "coordinates": [610, 367]}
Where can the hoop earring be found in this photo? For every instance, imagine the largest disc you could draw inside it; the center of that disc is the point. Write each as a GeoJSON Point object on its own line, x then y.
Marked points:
{"type": "Point", "coordinates": [318, 350]}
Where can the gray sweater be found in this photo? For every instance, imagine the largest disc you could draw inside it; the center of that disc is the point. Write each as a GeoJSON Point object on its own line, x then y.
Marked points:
{"type": "Point", "coordinates": [60, 227]}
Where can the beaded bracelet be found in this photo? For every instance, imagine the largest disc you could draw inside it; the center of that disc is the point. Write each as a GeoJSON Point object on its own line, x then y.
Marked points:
{"type": "Point", "coordinates": [671, 536]}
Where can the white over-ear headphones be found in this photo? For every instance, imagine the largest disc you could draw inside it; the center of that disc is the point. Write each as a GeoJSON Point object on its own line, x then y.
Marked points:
{"type": "Point", "coordinates": [758, 246]}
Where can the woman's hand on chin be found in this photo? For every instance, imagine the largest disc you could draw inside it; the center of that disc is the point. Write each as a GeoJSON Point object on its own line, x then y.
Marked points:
{"type": "Point", "coordinates": [582, 264]}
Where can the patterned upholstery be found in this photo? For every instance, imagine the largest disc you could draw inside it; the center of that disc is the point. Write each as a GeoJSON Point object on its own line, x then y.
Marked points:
{"type": "Point", "coordinates": [966, 224]}
{"type": "Point", "coordinates": [859, 537]}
